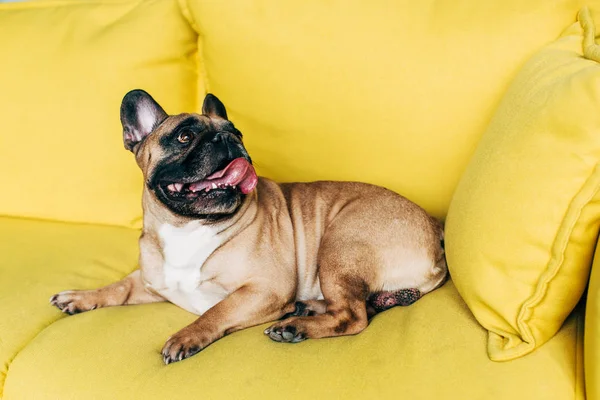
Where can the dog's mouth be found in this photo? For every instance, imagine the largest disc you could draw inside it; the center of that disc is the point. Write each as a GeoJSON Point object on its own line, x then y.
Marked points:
{"type": "Point", "coordinates": [239, 174]}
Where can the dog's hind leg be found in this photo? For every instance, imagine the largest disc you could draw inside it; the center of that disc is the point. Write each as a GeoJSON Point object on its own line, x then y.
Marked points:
{"type": "Point", "coordinates": [345, 290]}
{"type": "Point", "coordinates": [346, 314]}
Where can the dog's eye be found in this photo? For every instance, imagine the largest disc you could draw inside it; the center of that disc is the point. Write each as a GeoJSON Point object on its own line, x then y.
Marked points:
{"type": "Point", "coordinates": [185, 137]}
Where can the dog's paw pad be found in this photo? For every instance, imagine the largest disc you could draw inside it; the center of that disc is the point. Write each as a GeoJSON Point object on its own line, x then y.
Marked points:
{"type": "Point", "coordinates": [285, 334]}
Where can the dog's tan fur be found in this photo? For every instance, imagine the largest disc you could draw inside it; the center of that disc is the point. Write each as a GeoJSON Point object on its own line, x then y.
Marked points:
{"type": "Point", "coordinates": [329, 244]}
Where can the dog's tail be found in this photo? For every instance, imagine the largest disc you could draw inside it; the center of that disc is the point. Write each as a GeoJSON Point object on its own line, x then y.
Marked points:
{"type": "Point", "coordinates": [439, 226]}
{"type": "Point", "coordinates": [440, 274]}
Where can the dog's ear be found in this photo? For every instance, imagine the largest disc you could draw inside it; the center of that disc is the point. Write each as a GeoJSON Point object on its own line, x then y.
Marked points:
{"type": "Point", "coordinates": [140, 115]}
{"type": "Point", "coordinates": [213, 107]}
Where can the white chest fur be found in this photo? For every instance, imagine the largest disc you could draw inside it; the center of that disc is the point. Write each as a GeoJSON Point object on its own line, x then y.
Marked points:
{"type": "Point", "coordinates": [185, 251]}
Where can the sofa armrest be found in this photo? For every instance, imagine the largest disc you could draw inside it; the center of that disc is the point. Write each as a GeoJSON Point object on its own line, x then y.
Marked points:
{"type": "Point", "coordinates": [592, 332]}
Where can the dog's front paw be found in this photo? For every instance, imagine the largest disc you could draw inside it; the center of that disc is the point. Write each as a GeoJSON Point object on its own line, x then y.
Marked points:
{"type": "Point", "coordinates": [287, 331]}
{"type": "Point", "coordinates": [74, 301]}
{"type": "Point", "coordinates": [182, 345]}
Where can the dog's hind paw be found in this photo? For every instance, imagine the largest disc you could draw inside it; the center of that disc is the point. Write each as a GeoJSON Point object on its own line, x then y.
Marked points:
{"type": "Point", "coordinates": [285, 333]}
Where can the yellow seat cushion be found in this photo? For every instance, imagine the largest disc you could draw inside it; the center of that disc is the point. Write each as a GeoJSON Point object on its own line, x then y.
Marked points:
{"type": "Point", "coordinates": [391, 92]}
{"type": "Point", "coordinates": [38, 259]}
{"type": "Point", "coordinates": [523, 223]}
{"type": "Point", "coordinates": [430, 350]}
{"type": "Point", "coordinates": [65, 67]}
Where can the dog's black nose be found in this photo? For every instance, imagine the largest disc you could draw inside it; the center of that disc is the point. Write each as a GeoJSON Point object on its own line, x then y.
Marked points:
{"type": "Point", "coordinates": [221, 136]}
{"type": "Point", "coordinates": [225, 136]}
{"type": "Point", "coordinates": [218, 137]}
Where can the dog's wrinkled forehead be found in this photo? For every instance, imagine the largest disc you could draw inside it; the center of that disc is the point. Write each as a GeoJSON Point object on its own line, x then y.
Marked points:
{"type": "Point", "coordinates": [196, 123]}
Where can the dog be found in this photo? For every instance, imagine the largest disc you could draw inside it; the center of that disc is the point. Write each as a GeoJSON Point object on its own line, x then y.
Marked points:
{"type": "Point", "coordinates": [318, 258]}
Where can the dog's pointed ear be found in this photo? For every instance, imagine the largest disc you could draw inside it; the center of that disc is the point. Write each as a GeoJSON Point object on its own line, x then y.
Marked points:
{"type": "Point", "coordinates": [140, 115]}
{"type": "Point", "coordinates": [213, 107]}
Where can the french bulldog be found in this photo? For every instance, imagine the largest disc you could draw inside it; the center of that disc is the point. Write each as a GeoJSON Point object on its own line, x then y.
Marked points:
{"type": "Point", "coordinates": [239, 250]}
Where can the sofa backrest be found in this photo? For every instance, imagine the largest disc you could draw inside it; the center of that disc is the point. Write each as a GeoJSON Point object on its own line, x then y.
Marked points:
{"type": "Point", "coordinates": [65, 65]}
{"type": "Point", "coordinates": [390, 92]}
{"type": "Point", "coordinates": [395, 93]}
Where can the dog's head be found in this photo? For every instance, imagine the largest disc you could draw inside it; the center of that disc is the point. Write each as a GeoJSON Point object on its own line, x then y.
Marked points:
{"type": "Point", "coordinates": [195, 165]}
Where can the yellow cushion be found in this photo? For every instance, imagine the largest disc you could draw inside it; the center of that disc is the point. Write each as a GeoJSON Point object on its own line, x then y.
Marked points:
{"type": "Point", "coordinates": [523, 222]}
{"type": "Point", "coordinates": [426, 351]}
{"type": "Point", "coordinates": [38, 259]}
{"type": "Point", "coordinates": [391, 92]}
{"type": "Point", "coordinates": [65, 67]}
{"type": "Point", "coordinates": [592, 332]}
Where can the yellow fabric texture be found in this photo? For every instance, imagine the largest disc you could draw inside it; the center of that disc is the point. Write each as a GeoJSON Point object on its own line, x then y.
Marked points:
{"type": "Point", "coordinates": [523, 222]}
{"type": "Point", "coordinates": [38, 259]}
{"type": "Point", "coordinates": [592, 332]}
{"type": "Point", "coordinates": [391, 92]}
{"type": "Point", "coordinates": [430, 350]}
{"type": "Point", "coordinates": [65, 66]}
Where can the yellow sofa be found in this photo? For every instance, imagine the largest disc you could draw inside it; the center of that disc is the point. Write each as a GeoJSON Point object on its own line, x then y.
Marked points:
{"type": "Point", "coordinates": [396, 93]}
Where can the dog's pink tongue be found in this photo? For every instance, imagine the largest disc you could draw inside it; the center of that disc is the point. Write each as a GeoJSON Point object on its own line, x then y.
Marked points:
{"type": "Point", "coordinates": [238, 173]}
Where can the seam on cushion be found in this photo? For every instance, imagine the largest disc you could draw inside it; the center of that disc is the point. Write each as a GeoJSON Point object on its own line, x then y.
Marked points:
{"type": "Point", "coordinates": [201, 65]}
{"type": "Point", "coordinates": [202, 71]}
{"type": "Point", "coordinates": [557, 251]}
{"type": "Point", "coordinates": [24, 5]}
{"type": "Point", "coordinates": [591, 50]}
{"type": "Point", "coordinates": [61, 221]}
{"type": "Point", "coordinates": [187, 13]}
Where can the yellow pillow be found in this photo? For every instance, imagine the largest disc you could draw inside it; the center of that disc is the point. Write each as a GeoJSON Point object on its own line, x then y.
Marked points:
{"type": "Point", "coordinates": [524, 219]}
{"type": "Point", "coordinates": [395, 93]}
{"type": "Point", "coordinates": [65, 66]}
